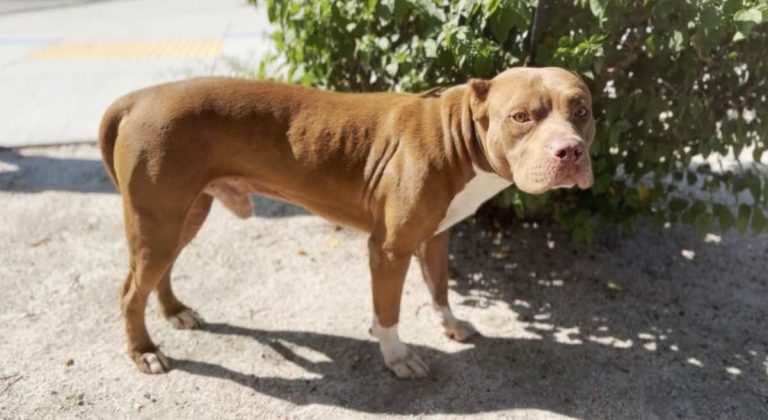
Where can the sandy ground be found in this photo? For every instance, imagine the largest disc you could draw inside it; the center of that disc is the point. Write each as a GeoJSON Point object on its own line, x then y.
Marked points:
{"type": "Point", "coordinates": [627, 328]}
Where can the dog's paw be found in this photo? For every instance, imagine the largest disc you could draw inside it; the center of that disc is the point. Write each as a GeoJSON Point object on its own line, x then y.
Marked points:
{"type": "Point", "coordinates": [153, 362]}
{"type": "Point", "coordinates": [407, 365]}
{"type": "Point", "coordinates": [459, 330]}
{"type": "Point", "coordinates": [397, 356]}
{"type": "Point", "coordinates": [186, 320]}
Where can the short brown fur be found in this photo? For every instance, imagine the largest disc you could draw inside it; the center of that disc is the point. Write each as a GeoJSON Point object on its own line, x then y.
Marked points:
{"type": "Point", "coordinates": [386, 163]}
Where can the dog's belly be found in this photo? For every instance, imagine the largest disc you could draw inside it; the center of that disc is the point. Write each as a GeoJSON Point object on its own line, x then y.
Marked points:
{"type": "Point", "coordinates": [478, 190]}
{"type": "Point", "coordinates": [234, 192]}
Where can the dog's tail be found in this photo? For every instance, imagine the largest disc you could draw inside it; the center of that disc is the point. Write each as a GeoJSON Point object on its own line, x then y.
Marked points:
{"type": "Point", "coordinates": [108, 133]}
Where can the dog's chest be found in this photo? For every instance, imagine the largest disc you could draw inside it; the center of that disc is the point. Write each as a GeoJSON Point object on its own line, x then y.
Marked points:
{"type": "Point", "coordinates": [478, 190]}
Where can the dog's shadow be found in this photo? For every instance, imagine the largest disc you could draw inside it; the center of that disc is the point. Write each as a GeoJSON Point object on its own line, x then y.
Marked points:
{"type": "Point", "coordinates": [354, 377]}
{"type": "Point", "coordinates": [669, 341]}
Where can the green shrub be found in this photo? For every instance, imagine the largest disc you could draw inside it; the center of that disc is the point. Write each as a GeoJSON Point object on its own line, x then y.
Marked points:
{"type": "Point", "coordinates": [672, 80]}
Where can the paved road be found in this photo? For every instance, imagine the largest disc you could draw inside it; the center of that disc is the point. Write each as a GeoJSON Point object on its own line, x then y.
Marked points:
{"type": "Point", "coordinates": [62, 62]}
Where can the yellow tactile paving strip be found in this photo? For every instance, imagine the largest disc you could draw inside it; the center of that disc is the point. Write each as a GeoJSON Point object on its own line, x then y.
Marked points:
{"type": "Point", "coordinates": [177, 48]}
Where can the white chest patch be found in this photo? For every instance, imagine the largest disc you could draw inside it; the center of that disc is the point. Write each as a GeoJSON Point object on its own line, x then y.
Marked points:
{"type": "Point", "coordinates": [478, 190]}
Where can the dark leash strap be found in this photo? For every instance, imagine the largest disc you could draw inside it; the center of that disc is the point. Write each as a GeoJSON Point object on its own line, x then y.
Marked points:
{"type": "Point", "coordinates": [534, 37]}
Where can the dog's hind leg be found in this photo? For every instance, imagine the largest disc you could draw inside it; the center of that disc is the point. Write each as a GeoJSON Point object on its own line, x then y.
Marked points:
{"type": "Point", "coordinates": [177, 313]}
{"type": "Point", "coordinates": [153, 241]}
{"type": "Point", "coordinates": [156, 215]}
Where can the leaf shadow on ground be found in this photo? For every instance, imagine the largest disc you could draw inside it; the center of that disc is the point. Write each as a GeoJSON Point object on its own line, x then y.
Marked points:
{"type": "Point", "coordinates": [619, 328]}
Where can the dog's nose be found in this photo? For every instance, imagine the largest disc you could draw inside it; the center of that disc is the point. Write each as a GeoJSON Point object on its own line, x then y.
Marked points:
{"type": "Point", "coordinates": [567, 150]}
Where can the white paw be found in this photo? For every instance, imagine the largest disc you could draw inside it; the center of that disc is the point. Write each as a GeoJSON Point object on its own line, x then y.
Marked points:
{"type": "Point", "coordinates": [459, 330]}
{"type": "Point", "coordinates": [406, 365]}
{"type": "Point", "coordinates": [454, 328]}
{"type": "Point", "coordinates": [397, 356]}
{"type": "Point", "coordinates": [186, 320]}
{"type": "Point", "coordinates": [153, 362]}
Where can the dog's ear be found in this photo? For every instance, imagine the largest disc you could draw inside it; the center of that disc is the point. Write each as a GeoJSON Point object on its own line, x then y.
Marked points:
{"type": "Point", "coordinates": [478, 94]}
{"type": "Point", "coordinates": [480, 87]}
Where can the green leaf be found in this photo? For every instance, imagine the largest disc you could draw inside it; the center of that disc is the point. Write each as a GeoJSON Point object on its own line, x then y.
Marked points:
{"type": "Point", "coordinates": [678, 204]}
{"type": "Point", "coordinates": [402, 10]}
{"type": "Point", "coordinates": [743, 218]}
{"type": "Point", "coordinates": [676, 42]}
{"type": "Point", "coordinates": [598, 8]}
{"type": "Point", "coordinates": [758, 221]}
{"type": "Point", "coordinates": [506, 198]}
{"type": "Point", "coordinates": [483, 66]}
{"type": "Point", "coordinates": [430, 48]}
{"type": "Point", "coordinates": [691, 178]}
{"type": "Point", "coordinates": [703, 222]}
{"type": "Point", "coordinates": [753, 183]}
{"type": "Point", "coordinates": [391, 69]}
{"type": "Point", "coordinates": [692, 214]}
{"type": "Point", "coordinates": [732, 6]}
{"type": "Point", "coordinates": [617, 129]}
{"type": "Point", "coordinates": [503, 20]}
{"type": "Point", "coordinates": [745, 20]}
{"type": "Point", "coordinates": [491, 6]}
{"type": "Point", "coordinates": [725, 218]}
{"type": "Point", "coordinates": [757, 154]}
{"type": "Point", "coordinates": [753, 15]}
{"type": "Point", "coordinates": [582, 234]}
{"type": "Point", "coordinates": [371, 5]}
{"type": "Point", "coordinates": [383, 43]}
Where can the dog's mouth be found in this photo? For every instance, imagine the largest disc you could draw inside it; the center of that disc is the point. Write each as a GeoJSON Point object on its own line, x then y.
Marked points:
{"type": "Point", "coordinates": [543, 178]}
{"type": "Point", "coordinates": [571, 176]}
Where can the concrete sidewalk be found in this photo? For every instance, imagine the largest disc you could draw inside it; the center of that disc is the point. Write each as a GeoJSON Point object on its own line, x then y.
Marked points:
{"type": "Point", "coordinates": [61, 66]}
{"type": "Point", "coordinates": [629, 328]}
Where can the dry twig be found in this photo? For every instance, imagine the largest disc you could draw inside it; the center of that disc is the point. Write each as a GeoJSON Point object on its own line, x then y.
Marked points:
{"type": "Point", "coordinates": [16, 377]}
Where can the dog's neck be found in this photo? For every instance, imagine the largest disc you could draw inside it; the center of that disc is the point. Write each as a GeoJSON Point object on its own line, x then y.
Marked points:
{"type": "Point", "coordinates": [462, 141]}
{"type": "Point", "coordinates": [482, 155]}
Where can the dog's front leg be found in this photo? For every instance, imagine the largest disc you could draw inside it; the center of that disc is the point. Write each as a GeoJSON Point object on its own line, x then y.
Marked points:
{"type": "Point", "coordinates": [433, 258]}
{"type": "Point", "coordinates": [388, 268]}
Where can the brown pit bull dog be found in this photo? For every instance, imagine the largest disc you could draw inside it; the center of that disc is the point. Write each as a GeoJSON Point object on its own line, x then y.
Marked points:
{"type": "Point", "coordinates": [402, 167]}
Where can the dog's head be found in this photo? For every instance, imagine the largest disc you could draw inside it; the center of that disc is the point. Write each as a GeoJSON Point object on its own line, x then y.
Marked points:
{"type": "Point", "coordinates": [536, 127]}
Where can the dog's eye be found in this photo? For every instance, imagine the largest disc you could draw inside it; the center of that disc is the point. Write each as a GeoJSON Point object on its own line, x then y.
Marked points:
{"type": "Point", "coordinates": [581, 112]}
{"type": "Point", "coordinates": [521, 117]}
